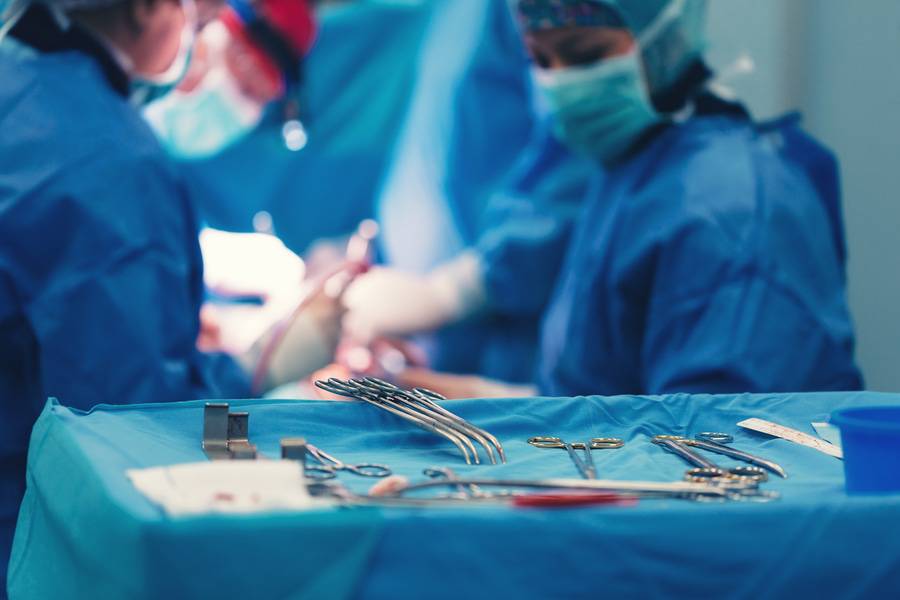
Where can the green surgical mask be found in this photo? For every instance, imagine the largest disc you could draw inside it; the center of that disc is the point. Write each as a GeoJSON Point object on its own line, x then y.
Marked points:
{"type": "Point", "coordinates": [205, 121]}
{"type": "Point", "coordinates": [602, 109]}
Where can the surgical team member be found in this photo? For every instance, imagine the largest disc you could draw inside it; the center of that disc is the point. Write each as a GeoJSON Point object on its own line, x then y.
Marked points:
{"type": "Point", "coordinates": [491, 195]}
{"type": "Point", "coordinates": [354, 89]}
{"type": "Point", "coordinates": [100, 269]}
{"type": "Point", "coordinates": [245, 61]}
{"type": "Point", "coordinates": [710, 254]}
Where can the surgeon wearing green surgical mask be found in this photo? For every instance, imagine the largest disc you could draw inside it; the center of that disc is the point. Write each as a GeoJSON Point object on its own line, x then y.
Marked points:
{"type": "Point", "coordinates": [598, 78]}
{"type": "Point", "coordinates": [594, 88]}
{"type": "Point", "coordinates": [711, 246]}
{"type": "Point", "coordinates": [248, 59]}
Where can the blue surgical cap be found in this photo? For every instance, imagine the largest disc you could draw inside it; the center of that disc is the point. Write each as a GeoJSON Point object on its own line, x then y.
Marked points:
{"type": "Point", "coordinates": [670, 33]}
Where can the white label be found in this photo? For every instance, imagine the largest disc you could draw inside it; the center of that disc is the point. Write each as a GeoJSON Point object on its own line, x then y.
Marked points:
{"type": "Point", "coordinates": [792, 435]}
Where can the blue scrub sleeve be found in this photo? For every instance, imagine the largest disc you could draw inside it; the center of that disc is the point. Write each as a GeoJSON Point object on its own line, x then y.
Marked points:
{"type": "Point", "coordinates": [720, 317]}
{"type": "Point", "coordinates": [527, 226]}
{"type": "Point", "coordinates": [821, 167]}
{"type": "Point", "coordinates": [732, 340]}
{"type": "Point", "coordinates": [118, 315]}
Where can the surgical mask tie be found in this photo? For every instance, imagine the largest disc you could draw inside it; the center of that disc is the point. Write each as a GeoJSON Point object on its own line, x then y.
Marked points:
{"type": "Point", "coordinates": [672, 12]}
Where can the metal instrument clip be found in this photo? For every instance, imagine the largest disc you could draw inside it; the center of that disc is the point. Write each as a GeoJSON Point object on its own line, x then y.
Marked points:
{"type": "Point", "coordinates": [226, 435]}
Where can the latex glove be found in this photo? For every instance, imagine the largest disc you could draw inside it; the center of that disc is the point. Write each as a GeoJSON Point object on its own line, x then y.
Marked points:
{"type": "Point", "coordinates": [308, 344]}
{"type": "Point", "coordinates": [249, 263]}
{"type": "Point", "coordinates": [390, 302]}
{"type": "Point", "coordinates": [463, 386]}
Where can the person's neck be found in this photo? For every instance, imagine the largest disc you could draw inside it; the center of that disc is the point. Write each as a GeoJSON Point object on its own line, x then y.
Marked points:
{"type": "Point", "coordinates": [114, 44]}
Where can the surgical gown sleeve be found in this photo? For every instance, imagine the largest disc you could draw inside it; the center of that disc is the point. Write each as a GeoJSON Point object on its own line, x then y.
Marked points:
{"type": "Point", "coordinates": [528, 225]}
{"type": "Point", "coordinates": [721, 318]}
{"type": "Point", "coordinates": [116, 285]}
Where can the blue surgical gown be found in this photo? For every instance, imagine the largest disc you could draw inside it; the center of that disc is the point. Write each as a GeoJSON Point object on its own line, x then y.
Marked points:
{"type": "Point", "coordinates": [100, 268]}
{"type": "Point", "coordinates": [712, 261]}
{"type": "Point", "coordinates": [525, 233]}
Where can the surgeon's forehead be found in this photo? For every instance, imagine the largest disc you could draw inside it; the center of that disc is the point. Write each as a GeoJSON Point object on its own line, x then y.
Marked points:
{"type": "Point", "coordinates": [576, 46]}
{"type": "Point", "coordinates": [564, 35]}
{"type": "Point", "coordinates": [571, 39]}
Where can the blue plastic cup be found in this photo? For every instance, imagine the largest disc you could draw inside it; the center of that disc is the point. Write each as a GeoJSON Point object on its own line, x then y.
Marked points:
{"type": "Point", "coordinates": [870, 437]}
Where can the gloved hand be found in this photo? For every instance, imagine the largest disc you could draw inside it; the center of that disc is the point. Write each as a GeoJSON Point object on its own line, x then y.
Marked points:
{"type": "Point", "coordinates": [390, 302]}
{"type": "Point", "coordinates": [302, 344]}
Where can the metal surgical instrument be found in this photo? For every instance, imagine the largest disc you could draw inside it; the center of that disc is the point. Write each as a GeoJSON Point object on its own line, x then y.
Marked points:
{"type": "Point", "coordinates": [419, 407]}
{"type": "Point", "coordinates": [471, 491]}
{"type": "Point", "coordinates": [351, 389]}
{"type": "Point", "coordinates": [426, 398]}
{"type": "Point", "coordinates": [586, 467]}
{"type": "Point", "coordinates": [704, 469]}
{"type": "Point", "coordinates": [329, 465]}
{"type": "Point", "coordinates": [715, 442]}
{"type": "Point", "coordinates": [643, 489]}
{"type": "Point", "coordinates": [463, 491]}
{"type": "Point", "coordinates": [226, 435]}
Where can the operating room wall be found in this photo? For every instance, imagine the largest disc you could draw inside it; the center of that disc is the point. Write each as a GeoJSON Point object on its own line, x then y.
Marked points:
{"type": "Point", "coordinates": [836, 61]}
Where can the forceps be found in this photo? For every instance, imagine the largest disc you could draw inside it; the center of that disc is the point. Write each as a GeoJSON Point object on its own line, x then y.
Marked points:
{"type": "Point", "coordinates": [419, 407]}
{"type": "Point", "coordinates": [586, 467]}
{"type": "Point", "coordinates": [329, 465]}
{"type": "Point", "coordinates": [705, 469]}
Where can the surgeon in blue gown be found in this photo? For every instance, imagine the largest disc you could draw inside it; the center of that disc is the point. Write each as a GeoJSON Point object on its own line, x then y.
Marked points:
{"type": "Point", "coordinates": [100, 266]}
{"type": "Point", "coordinates": [356, 85]}
{"type": "Point", "coordinates": [476, 207]}
{"type": "Point", "coordinates": [710, 253]}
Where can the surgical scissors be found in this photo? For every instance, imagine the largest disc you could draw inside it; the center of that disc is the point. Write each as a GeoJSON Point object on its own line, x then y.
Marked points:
{"type": "Point", "coordinates": [329, 465]}
{"type": "Point", "coordinates": [586, 467]}
{"type": "Point", "coordinates": [463, 491]}
{"type": "Point", "coordinates": [705, 469]}
{"type": "Point", "coordinates": [714, 441]}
